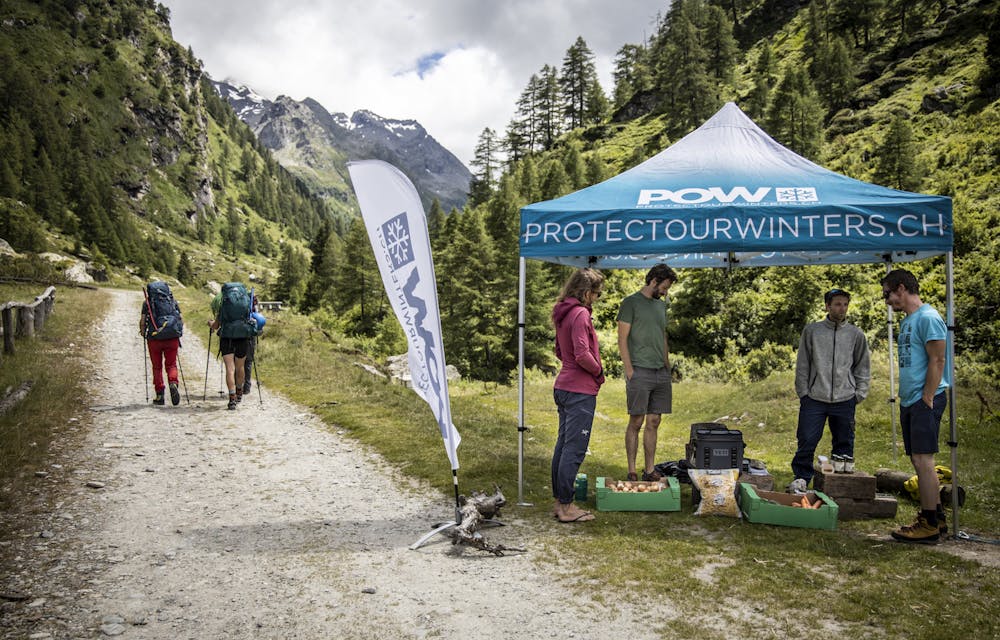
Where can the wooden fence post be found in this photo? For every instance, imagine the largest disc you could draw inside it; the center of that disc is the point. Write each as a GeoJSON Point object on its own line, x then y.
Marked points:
{"type": "Point", "coordinates": [25, 322]}
{"type": "Point", "coordinates": [8, 330]}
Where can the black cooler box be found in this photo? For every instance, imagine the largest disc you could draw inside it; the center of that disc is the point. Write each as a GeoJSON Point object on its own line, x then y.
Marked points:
{"type": "Point", "coordinates": [713, 446]}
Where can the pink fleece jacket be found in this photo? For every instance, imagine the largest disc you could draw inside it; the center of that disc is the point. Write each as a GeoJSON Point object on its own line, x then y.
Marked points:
{"type": "Point", "coordinates": [577, 348]}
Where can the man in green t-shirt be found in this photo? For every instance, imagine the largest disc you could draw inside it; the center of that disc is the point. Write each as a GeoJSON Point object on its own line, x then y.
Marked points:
{"type": "Point", "coordinates": [642, 342]}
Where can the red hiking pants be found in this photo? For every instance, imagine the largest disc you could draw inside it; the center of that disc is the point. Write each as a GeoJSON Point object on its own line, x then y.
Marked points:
{"type": "Point", "coordinates": [163, 352]}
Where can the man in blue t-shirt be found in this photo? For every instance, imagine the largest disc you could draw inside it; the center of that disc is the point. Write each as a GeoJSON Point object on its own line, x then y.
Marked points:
{"type": "Point", "coordinates": [922, 384]}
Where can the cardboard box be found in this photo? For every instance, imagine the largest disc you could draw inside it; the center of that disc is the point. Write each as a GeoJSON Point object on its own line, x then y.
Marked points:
{"type": "Point", "coordinates": [667, 499]}
{"type": "Point", "coordinates": [769, 507]}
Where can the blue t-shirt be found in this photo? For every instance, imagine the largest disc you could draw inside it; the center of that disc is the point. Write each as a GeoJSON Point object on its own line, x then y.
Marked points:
{"type": "Point", "coordinates": [916, 330]}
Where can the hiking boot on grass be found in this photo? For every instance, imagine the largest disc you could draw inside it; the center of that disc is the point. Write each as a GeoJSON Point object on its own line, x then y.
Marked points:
{"type": "Point", "coordinates": [175, 395]}
{"type": "Point", "coordinates": [158, 400]}
{"type": "Point", "coordinates": [232, 402]}
{"type": "Point", "coordinates": [652, 476]}
{"type": "Point", "coordinates": [798, 486]}
{"type": "Point", "coordinates": [921, 532]}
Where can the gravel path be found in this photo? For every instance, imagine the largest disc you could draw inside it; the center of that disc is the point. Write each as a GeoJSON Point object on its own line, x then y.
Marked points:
{"type": "Point", "coordinates": [262, 523]}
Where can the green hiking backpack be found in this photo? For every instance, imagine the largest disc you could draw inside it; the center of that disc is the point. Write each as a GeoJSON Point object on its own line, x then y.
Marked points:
{"type": "Point", "coordinates": [234, 312]}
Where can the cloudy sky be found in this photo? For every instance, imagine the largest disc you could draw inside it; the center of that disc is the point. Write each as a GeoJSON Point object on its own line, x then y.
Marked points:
{"type": "Point", "coordinates": [455, 66]}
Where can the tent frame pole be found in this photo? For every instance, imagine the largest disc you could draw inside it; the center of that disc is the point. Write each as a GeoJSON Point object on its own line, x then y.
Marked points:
{"type": "Point", "coordinates": [952, 409]}
{"type": "Point", "coordinates": [892, 378]}
{"type": "Point", "coordinates": [521, 428]}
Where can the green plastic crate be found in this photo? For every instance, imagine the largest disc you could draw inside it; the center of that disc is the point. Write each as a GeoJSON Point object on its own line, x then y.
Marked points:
{"type": "Point", "coordinates": [756, 508]}
{"type": "Point", "coordinates": [667, 499]}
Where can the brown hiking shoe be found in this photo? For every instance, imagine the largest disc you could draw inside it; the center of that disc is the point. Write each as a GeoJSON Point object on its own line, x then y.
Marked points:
{"type": "Point", "coordinates": [921, 532]}
{"type": "Point", "coordinates": [652, 476]}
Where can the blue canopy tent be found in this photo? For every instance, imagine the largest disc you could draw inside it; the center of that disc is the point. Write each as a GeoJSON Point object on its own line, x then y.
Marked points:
{"type": "Point", "coordinates": [728, 195]}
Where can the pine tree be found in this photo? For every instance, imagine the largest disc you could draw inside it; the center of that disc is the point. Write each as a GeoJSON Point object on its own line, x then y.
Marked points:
{"type": "Point", "coordinates": [435, 224]}
{"type": "Point", "coordinates": [795, 115]}
{"type": "Point", "coordinates": [597, 171]}
{"type": "Point", "coordinates": [555, 183]}
{"type": "Point", "coordinates": [682, 79]}
{"type": "Point", "coordinates": [547, 108]}
{"type": "Point", "coordinates": [293, 269]}
{"type": "Point", "coordinates": [896, 164]}
{"type": "Point", "coordinates": [575, 79]}
{"type": "Point", "coordinates": [720, 45]}
{"type": "Point", "coordinates": [598, 108]}
{"type": "Point", "coordinates": [833, 70]}
{"type": "Point", "coordinates": [485, 167]}
{"type": "Point", "coordinates": [360, 294]}
{"type": "Point", "coordinates": [631, 74]}
{"type": "Point", "coordinates": [576, 171]}
{"type": "Point", "coordinates": [763, 78]}
{"type": "Point", "coordinates": [185, 272]}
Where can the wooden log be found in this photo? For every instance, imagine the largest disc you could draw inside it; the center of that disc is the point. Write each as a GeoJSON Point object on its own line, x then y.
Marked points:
{"type": "Point", "coordinates": [889, 480]}
{"type": "Point", "coordinates": [17, 395]}
{"type": "Point", "coordinates": [475, 509]}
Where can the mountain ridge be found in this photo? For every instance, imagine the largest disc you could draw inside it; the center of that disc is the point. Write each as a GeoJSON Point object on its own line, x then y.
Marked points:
{"type": "Point", "coordinates": [316, 144]}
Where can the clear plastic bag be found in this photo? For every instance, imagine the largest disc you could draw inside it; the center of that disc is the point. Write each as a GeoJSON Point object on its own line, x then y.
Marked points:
{"type": "Point", "coordinates": [718, 491]}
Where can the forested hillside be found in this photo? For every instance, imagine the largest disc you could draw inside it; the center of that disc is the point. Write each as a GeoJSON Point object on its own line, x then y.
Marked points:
{"type": "Point", "coordinates": [903, 94]}
{"type": "Point", "coordinates": [116, 149]}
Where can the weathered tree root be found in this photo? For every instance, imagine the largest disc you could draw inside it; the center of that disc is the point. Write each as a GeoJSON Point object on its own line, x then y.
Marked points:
{"type": "Point", "coordinates": [475, 509]}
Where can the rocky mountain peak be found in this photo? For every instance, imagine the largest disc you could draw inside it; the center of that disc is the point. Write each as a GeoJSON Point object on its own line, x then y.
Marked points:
{"type": "Point", "coordinates": [316, 145]}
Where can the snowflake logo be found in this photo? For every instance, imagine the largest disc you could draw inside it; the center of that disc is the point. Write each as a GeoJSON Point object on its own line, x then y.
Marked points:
{"type": "Point", "coordinates": [396, 232]}
{"type": "Point", "coordinates": [796, 194]}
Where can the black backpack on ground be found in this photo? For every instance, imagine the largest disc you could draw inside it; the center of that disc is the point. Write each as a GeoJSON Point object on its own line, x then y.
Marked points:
{"type": "Point", "coordinates": [163, 316]}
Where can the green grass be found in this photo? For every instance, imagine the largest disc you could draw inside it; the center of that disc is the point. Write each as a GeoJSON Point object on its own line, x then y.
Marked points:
{"type": "Point", "coordinates": [712, 569]}
{"type": "Point", "coordinates": [56, 360]}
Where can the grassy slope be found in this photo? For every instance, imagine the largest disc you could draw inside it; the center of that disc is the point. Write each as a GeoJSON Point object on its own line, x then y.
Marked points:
{"type": "Point", "coordinates": [56, 360]}
{"type": "Point", "coordinates": [685, 559]}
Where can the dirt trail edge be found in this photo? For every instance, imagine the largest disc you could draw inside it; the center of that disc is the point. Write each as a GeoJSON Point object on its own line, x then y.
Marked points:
{"type": "Point", "coordinates": [261, 523]}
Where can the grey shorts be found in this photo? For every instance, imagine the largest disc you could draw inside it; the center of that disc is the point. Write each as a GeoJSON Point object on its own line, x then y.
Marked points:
{"type": "Point", "coordinates": [649, 391]}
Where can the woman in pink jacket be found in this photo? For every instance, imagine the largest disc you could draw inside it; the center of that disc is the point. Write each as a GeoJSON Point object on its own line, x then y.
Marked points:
{"type": "Point", "coordinates": [576, 386]}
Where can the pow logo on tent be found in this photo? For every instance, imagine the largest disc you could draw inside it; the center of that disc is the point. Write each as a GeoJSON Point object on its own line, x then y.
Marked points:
{"type": "Point", "coordinates": [796, 194]}
{"type": "Point", "coordinates": [396, 234]}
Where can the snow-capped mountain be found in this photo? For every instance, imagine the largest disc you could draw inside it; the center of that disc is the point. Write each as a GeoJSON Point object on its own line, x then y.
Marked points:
{"type": "Point", "coordinates": [315, 145]}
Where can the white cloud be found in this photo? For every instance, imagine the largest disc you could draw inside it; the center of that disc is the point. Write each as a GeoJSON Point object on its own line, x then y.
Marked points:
{"type": "Point", "coordinates": [353, 54]}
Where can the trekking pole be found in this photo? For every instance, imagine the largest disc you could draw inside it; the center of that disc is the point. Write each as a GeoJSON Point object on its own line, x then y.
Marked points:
{"type": "Point", "coordinates": [183, 379]}
{"type": "Point", "coordinates": [145, 369]}
{"type": "Point", "coordinates": [208, 356]}
{"type": "Point", "coordinates": [257, 376]}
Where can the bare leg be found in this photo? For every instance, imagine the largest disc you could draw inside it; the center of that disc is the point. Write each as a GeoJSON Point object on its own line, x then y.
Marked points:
{"type": "Point", "coordinates": [229, 360]}
{"type": "Point", "coordinates": [927, 479]}
{"type": "Point", "coordinates": [240, 373]}
{"type": "Point", "coordinates": [649, 441]}
{"type": "Point", "coordinates": [632, 440]}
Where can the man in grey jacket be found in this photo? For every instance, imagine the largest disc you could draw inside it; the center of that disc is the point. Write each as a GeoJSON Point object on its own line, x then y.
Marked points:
{"type": "Point", "coordinates": [832, 373]}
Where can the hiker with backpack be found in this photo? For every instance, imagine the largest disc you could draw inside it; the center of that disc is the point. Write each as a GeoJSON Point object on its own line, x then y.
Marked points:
{"type": "Point", "coordinates": [235, 326]}
{"type": "Point", "coordinates": [161, 325]}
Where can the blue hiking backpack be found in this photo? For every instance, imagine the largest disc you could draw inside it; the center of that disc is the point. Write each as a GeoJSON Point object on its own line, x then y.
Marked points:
{"type": "Point", "coordinates": [234, 312]}
{"type": "Point", "coordinates": [163, 316]}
